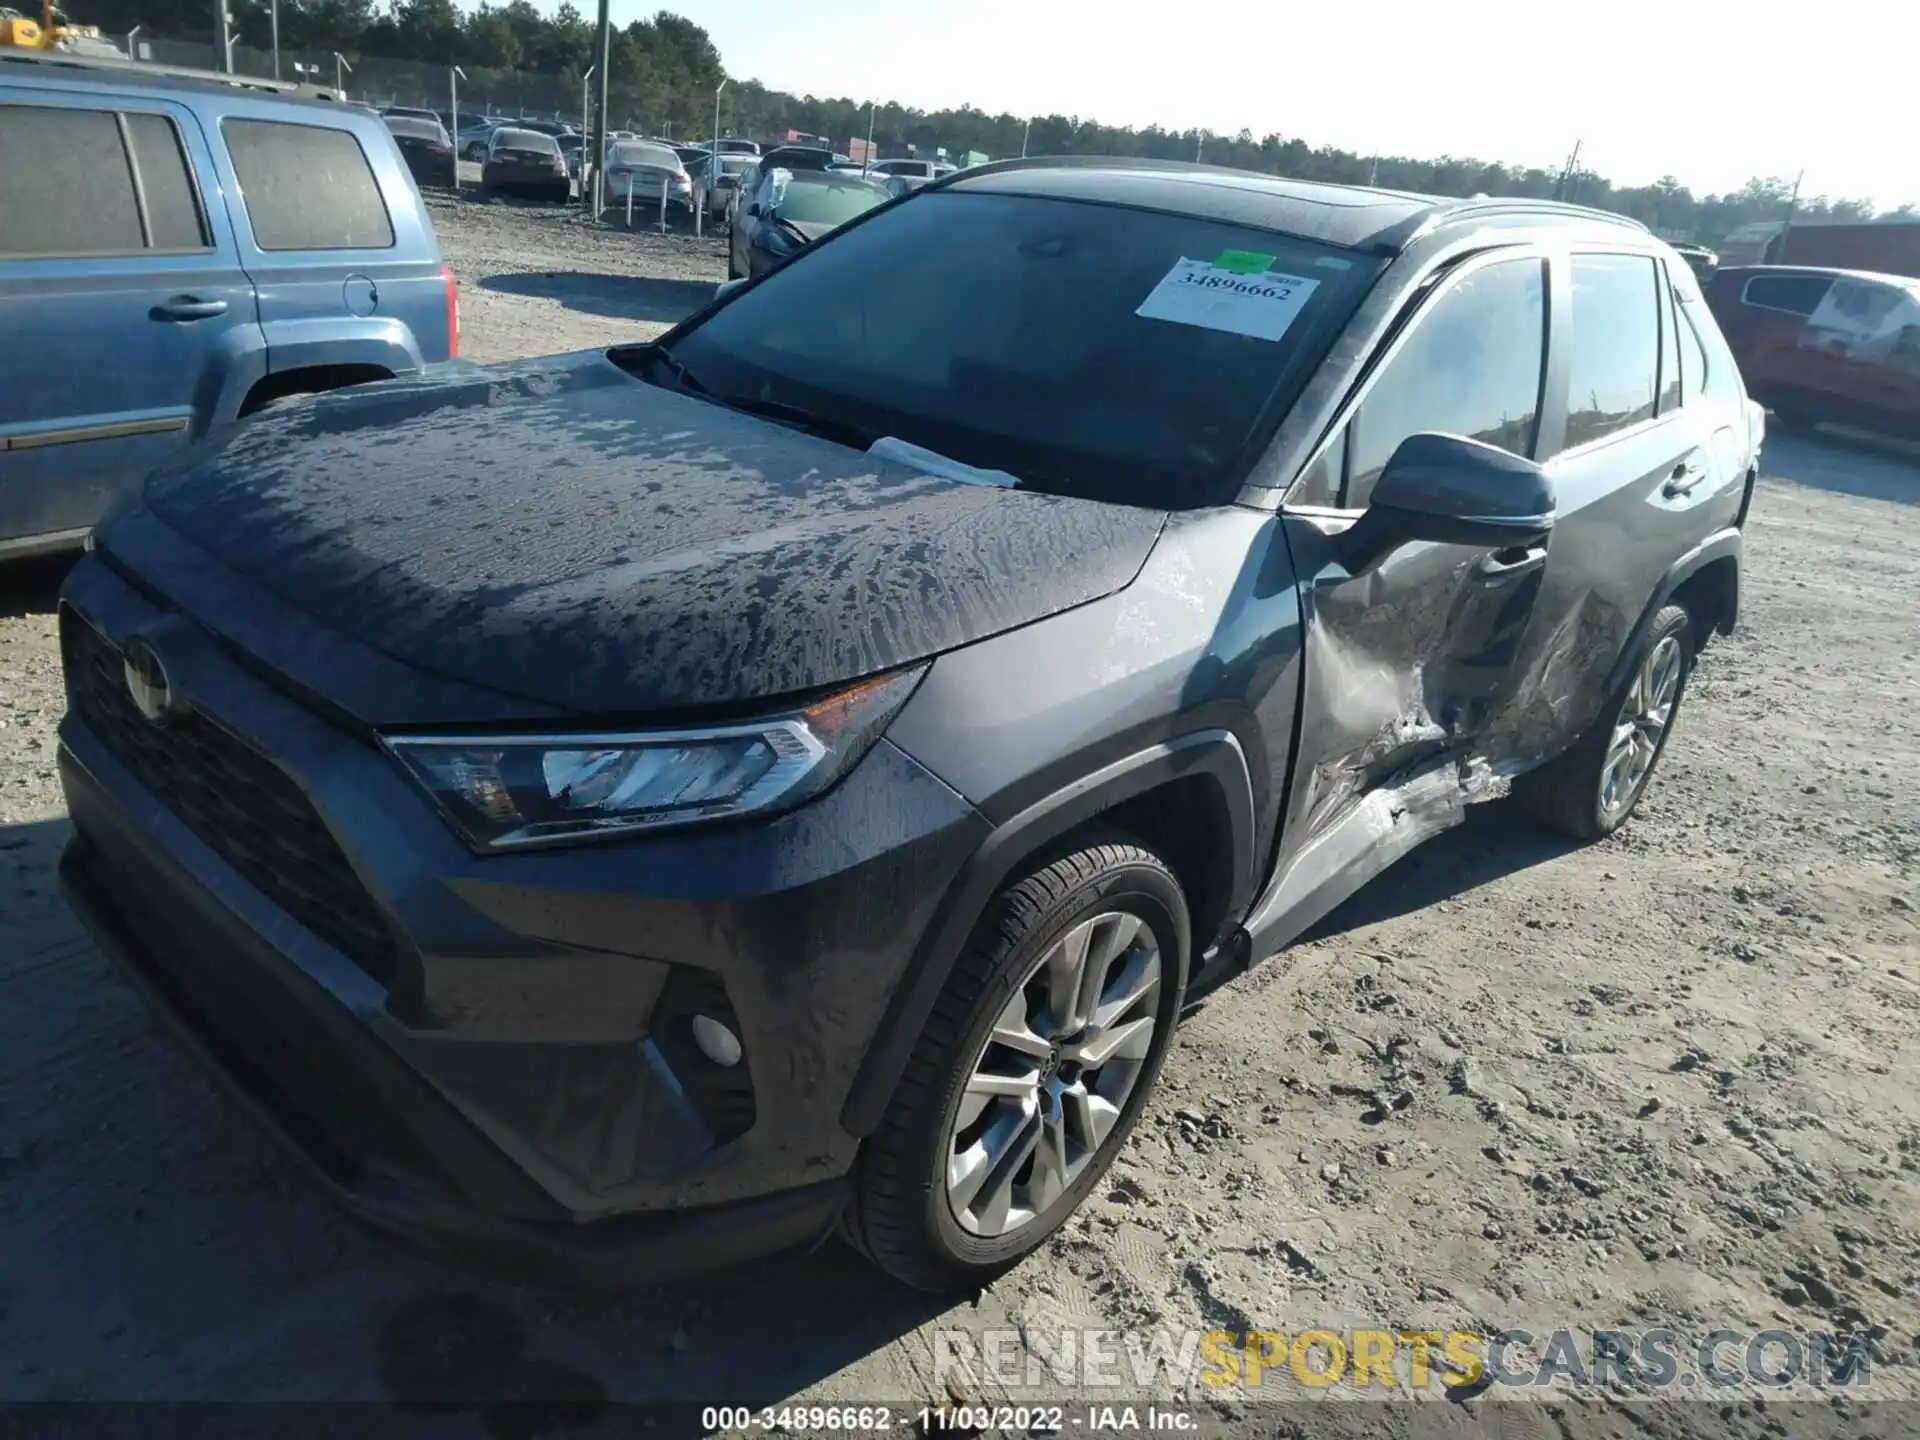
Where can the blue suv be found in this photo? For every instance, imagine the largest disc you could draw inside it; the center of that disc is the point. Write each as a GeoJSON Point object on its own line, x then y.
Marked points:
{"type": "Point", "coordinates": [176, 252]}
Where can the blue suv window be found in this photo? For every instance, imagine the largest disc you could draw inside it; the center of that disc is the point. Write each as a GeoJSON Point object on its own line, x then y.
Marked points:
{"type": "Point", "coordinates": [123, 184]}
{"type": "Point", "coordinates": [307, 187]}
{"type": "Point", "coordinates": [173, 201]}
{"type": "Point", "coordinates": [84, 204]}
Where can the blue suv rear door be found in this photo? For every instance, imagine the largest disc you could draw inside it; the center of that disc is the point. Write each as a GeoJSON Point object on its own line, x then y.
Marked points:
{"type": "Point", "coordinates": [124, 307]}
{"type": "Point", "coordinates": [333, 233]}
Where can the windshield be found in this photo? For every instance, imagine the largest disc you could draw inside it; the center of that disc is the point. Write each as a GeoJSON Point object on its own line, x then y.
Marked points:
{"type": "Point", "coordinates": [806, 201]}
{"type": "Point", "coordinates": [1091, 350]}
{"type": "Point", "coordinates": [531, 142]}
{"type": "Point", "coordinates": [634, 156]}
{"type": "Point", "coordinates": [415, 129]}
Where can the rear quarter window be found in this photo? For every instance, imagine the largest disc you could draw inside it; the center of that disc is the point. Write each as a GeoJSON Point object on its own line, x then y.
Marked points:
{"type": "Point", "coordinates": [307, 187]}
{"type": "Point", "coordinates": [1792, 294]}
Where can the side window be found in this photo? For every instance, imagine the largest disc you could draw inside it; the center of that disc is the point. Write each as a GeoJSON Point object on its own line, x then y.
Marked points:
{"type": "Point", "coordinates": [1693, 356]}
{"type": "Point", "coordinates": [66, 187]}
{"type": "Point", "coordinates": [1669, 353]}
{"type": "Point", "coordinates": [307, 187]}
{"type": "Point", "coordinates": [1471, 365]}
{"type": "Point", "coordinates": [1794, 294]}
{"type": "Point", "coordinates": [1615, 363]}
{"type": "Point", "coordinates": [173, 200]}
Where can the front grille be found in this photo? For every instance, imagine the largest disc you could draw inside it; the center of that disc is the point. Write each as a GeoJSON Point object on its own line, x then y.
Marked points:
{"type": "Point", "coordinates": [240, 804]}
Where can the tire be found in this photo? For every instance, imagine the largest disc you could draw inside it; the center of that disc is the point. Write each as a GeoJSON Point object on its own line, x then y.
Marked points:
{"type": "Point", "coordinates": [905, 1218]}
{"type": "Point", "coordinates": [1568, 794]}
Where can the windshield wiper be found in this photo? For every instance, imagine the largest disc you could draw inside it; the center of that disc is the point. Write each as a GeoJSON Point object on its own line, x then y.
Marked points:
{"type": "Point", "coordinates": [802, 418]}
{"type": "Point", "coordinates": [682, 376]}
{"type": "Point", "coordinates": [797, 416]}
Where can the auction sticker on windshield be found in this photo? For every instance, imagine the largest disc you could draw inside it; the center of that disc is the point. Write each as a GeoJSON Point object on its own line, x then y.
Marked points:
{"type": "Point", "coordinates": [1226, 297]}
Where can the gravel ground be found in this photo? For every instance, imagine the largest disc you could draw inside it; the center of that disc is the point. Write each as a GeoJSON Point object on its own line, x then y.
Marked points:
{"type": "Point", "coordinates": [1663, 1080]}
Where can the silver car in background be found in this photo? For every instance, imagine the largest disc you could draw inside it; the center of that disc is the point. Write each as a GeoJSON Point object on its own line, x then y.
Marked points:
{"type": "Point", "coordinates": [714, 189]}
{"type": "Point", "coordinates": [643, 167]}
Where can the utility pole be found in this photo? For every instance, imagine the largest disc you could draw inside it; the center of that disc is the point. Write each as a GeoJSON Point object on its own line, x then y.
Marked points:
{"type": "Point", "coordinates": [1373, 170]}
{"type": "Point", "coordinates": [866, 161]}
{"type": "Point", "coordinates": [275, 12]}
{"type": "Point", "coordinates": [604, 44]}
{"type": "Point", "coordinates": [1026, 134]}
{"type": "Point", "coordinates": [1200, 147]}
{"type": "Point", "coordinates": [1793, 208]}
{"type": "Point", "coordinates": [222, 41]}
{"type": "Point", "coordinates": [1569, 185]}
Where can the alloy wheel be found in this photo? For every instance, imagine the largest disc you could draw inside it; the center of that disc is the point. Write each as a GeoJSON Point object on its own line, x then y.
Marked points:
{"type": "Point", "coordinates": [1054, 1076]}
{"type": "Point", "coordinates": [1640, 727]}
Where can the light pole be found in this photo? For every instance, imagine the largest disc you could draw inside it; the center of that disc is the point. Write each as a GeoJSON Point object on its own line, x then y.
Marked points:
{"type": "Point", "coordinates": [339, 64]}
{"type": "Point", "coordinates": [603, 43]}
{"type": "Point", "coordinates": [714, 143]}
{"type": "Point", "coordinates": [222, 38]}
{"type": "Point", "coordinates": [275, 12]}
{"type": "Point", "coordinates": [866, 161]}
{"type": "Point", "coordinates": [133, 50]}
{"type": "Point", "coordinates": [454, 76]}
{"type": "Point", "coordinates": [585, 133]}
{"type": "Point", "coordinates": [1025, 133]}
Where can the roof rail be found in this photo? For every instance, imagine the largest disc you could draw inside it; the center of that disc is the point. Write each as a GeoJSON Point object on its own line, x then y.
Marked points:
{"type": "Point", "coordinates": [74, 60]}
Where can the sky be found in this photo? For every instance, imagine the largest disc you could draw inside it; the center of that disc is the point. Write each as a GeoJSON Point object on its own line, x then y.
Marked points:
{"type": "Point", "coordinates": [1710, 92]}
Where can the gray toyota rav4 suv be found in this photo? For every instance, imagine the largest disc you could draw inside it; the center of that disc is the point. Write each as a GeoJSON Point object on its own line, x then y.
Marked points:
{"type": "Point", "coordinates": [639, 809]}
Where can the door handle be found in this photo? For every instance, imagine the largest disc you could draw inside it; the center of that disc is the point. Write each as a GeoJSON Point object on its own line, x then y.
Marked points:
{"type": "Point", "coordinates": [1511, 561]}
{"type": "Point", "coordinates": [1683, 479]}
{"type": "Point", "coordinates": [186, 307]}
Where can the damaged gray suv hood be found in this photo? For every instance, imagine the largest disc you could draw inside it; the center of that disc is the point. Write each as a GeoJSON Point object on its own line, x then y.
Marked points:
{"type": "Point", "coordinates": [559, 531]}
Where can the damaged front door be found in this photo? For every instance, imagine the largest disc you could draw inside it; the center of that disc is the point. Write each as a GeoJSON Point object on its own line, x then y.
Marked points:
{"type": "Point", "coordinates": [1411, 663]}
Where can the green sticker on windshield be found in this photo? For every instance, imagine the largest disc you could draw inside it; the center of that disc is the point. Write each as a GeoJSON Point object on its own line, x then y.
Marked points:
{"type": "Point", "coordinates": [1242, 262]}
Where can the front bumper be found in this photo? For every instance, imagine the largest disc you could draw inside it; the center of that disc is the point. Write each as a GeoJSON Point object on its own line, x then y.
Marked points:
{"type": "Point", "coordinates": [494, 1050]}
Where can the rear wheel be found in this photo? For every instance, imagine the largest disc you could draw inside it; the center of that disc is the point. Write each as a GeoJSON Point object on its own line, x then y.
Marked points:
{"type": "Point", "coordinates": [1593, 789]}
{"type": "Point", "coordinates": [1032, 1070]}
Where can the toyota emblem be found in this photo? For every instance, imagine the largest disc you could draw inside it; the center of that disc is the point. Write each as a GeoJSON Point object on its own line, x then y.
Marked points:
{"type": "Point", "coordinates": [147, 680]}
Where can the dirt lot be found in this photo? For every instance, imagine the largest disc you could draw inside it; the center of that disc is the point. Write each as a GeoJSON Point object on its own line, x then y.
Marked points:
{"type": "Point", "coordinates": [1664, 1080]}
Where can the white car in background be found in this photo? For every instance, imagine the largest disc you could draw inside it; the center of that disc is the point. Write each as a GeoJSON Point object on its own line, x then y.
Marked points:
{"type": "Point", "coordinates": [643, 167]}
{"type": "Point", "coordinates": [714, 190]}
{"type": "Point", "coordinates": [914, 172]}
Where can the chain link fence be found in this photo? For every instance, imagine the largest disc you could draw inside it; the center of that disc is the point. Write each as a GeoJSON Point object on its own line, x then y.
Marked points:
{"type": "Point", "coordinates": [379, 81]}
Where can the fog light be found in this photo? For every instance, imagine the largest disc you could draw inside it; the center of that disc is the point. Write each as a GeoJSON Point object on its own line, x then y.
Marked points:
{"type": "Point", "coordinates": [716, 1041]}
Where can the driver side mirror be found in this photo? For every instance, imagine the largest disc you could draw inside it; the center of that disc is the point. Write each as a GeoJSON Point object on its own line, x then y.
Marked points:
{"type": "Point", "coordinates": [1449, 490]}
{"type": "Point", "coordinates": [754, 210]}
{"type": "Point", "coordinates": [727, 287]}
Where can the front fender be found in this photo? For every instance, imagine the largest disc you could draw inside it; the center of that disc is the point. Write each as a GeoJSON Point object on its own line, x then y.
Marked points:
{"type": "Point", "coordinates": [1214, 754]}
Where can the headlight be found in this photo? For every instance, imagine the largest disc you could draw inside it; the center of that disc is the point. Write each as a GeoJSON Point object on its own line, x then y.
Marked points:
{"type": "Point", "coordinates": [503, 791]}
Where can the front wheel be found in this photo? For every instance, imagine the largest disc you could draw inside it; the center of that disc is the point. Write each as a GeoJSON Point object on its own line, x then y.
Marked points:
{"type": "Point", "coordinates": [1031, 1071]}
{"type": "Point", "coordinates": [1592, 790]}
